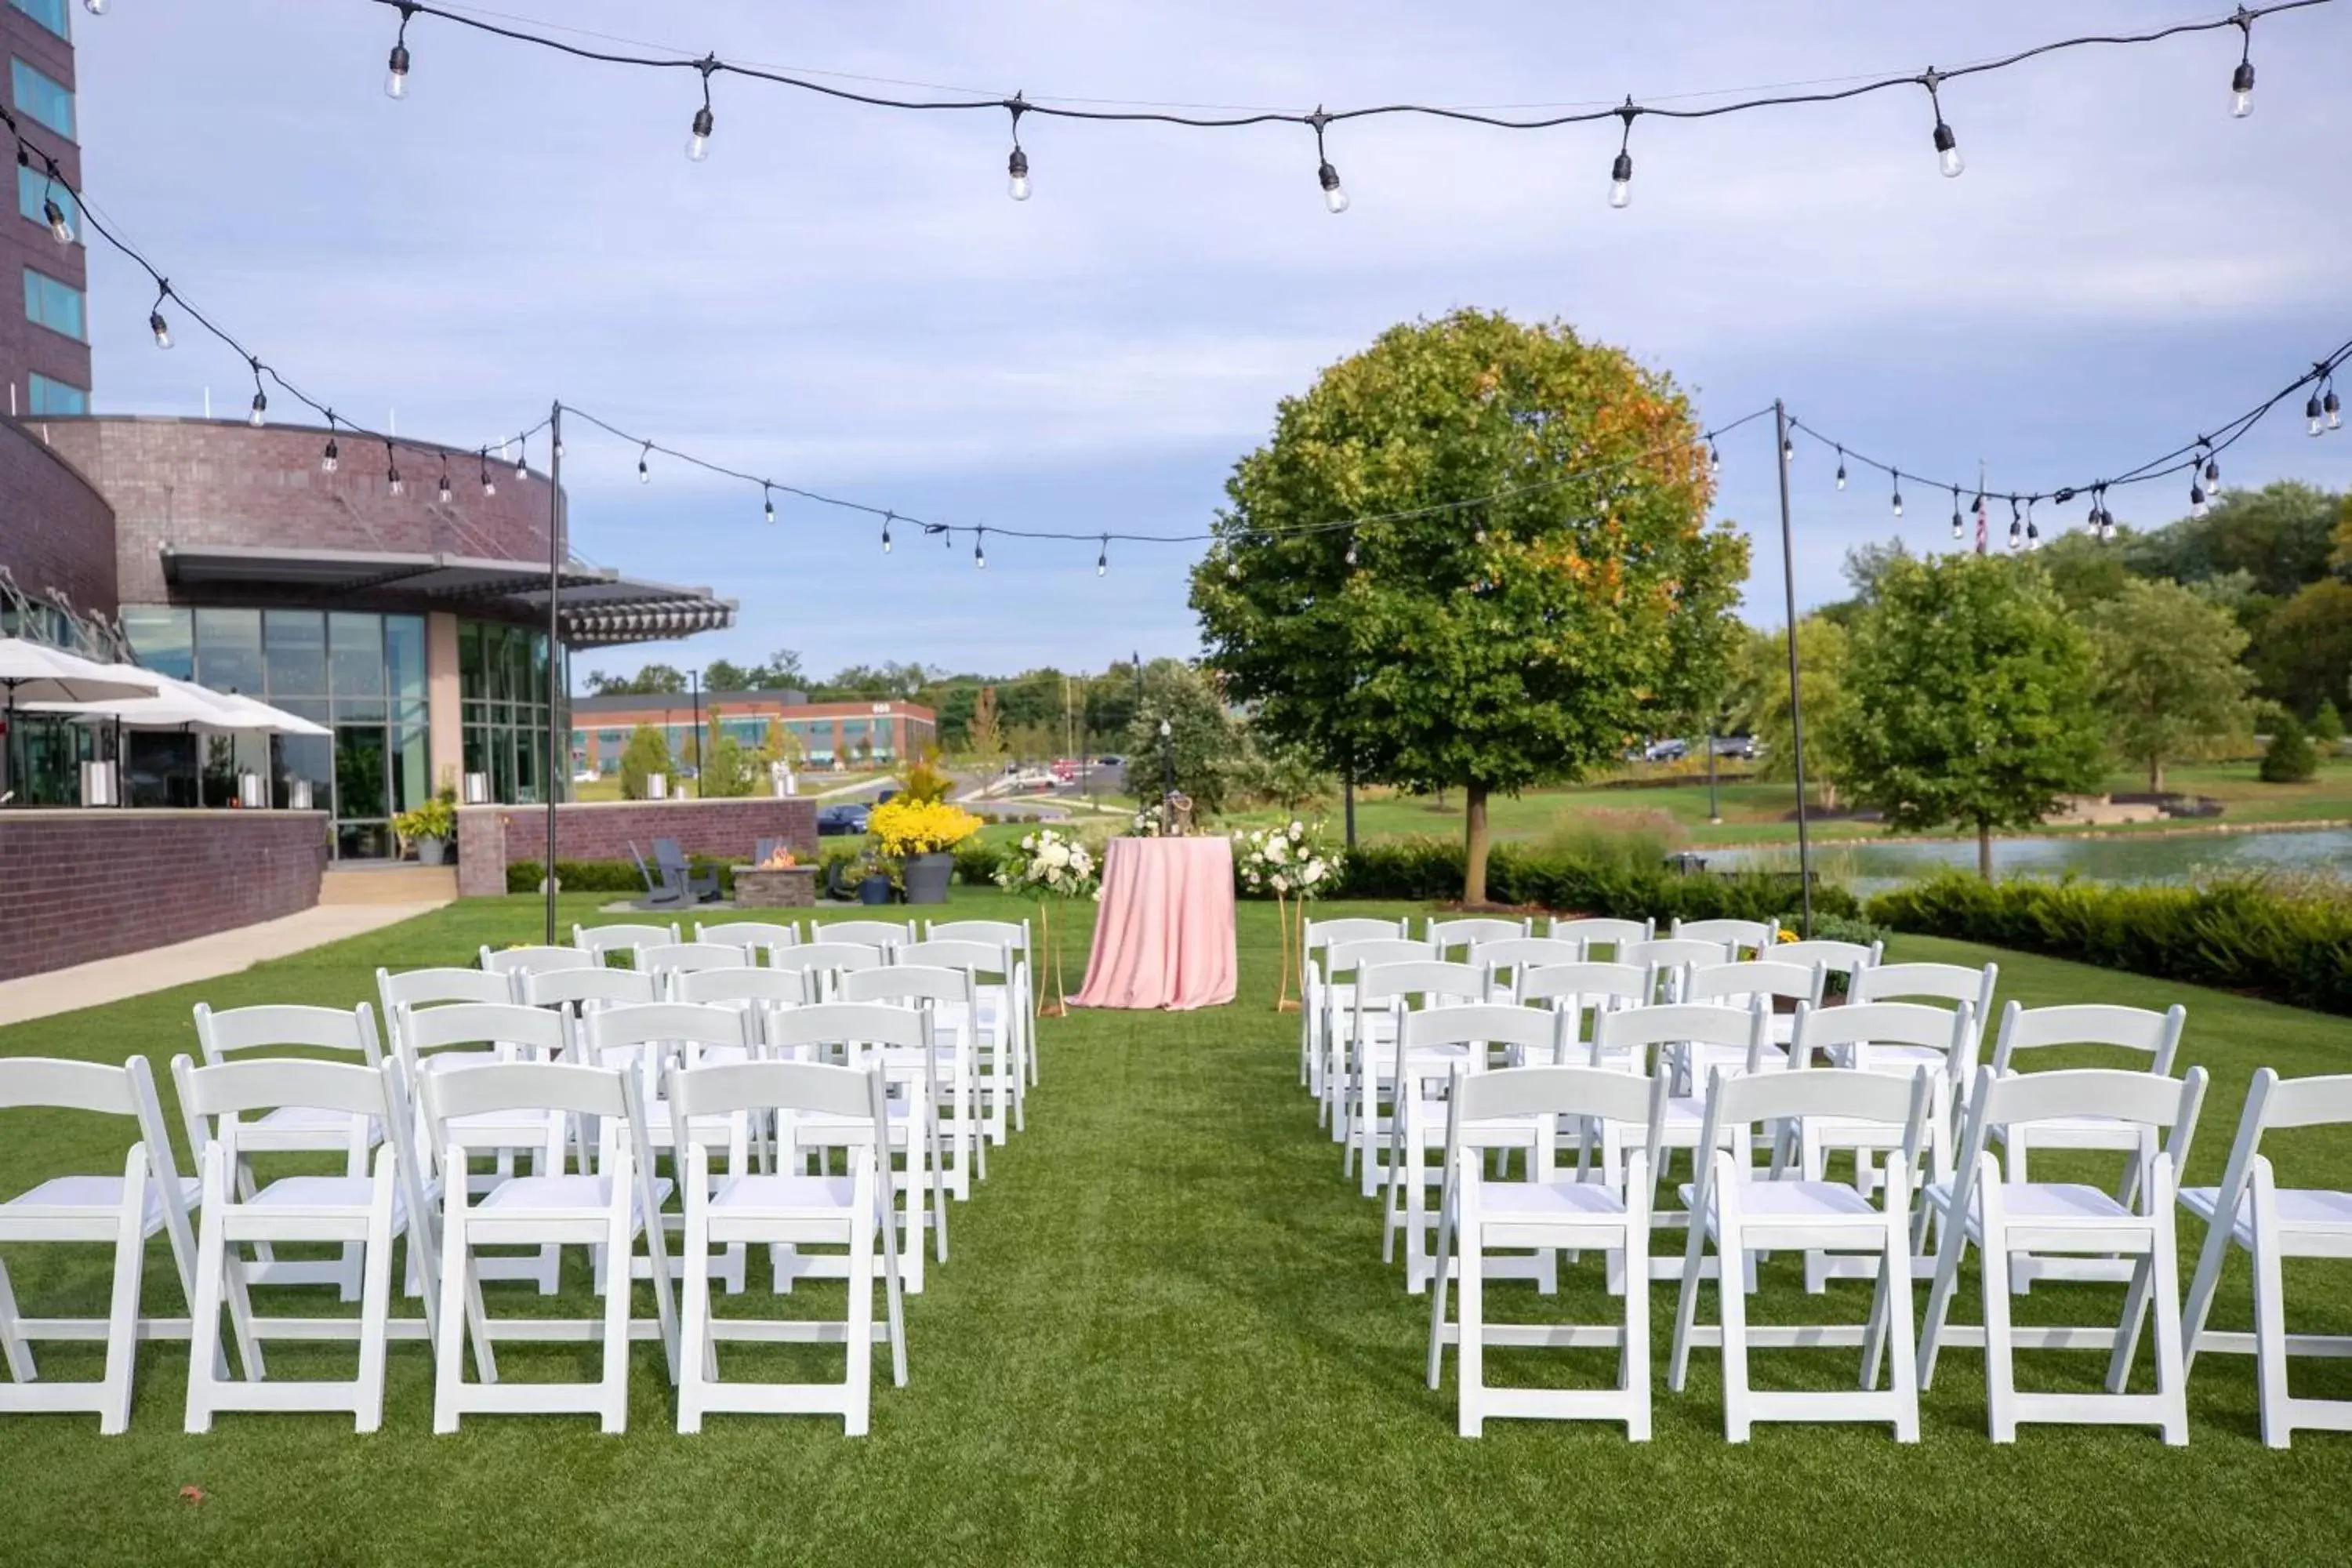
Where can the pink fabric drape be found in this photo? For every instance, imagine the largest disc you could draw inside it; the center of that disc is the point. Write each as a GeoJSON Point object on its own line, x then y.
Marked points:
{"type": "Point", "coordinates": [1164, 937]}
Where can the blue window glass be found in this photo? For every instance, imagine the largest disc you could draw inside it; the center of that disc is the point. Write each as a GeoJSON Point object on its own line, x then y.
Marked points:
{"type": "Point", "coordinates": [49, 14]}
{"type": "Point", "coordinates": [33, 191]}
{"type": "Point", "coordinates": [46, 99]}
{"type": "Point", "coordinates": [56, 396]}
{"type": "Point", "coordinates": [53, 303]}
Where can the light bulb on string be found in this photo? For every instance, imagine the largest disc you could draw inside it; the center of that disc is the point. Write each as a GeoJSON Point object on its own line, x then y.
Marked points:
{"type": "Point", "coordinates": [1714, 456]}
{"type": "Point", "coordinates": [1841, 473]}
{"type": "Point", "coordinates": [391, 470]}
{"type": "Point", "coordinates": [1898, 496]}
{"type": "Point", "coordinates": [2331, 406]}
{"type": "Point", "coordinates": [1351, 550]}
{"type": "Point", "coordinates": [2016, 525]}
{"type": "Point", "coordinates": [980, 549]}
{"type": "Point", "coordinates": [2212, 475]}
{"type": "Point", "coordinates": [156, 324]}
{"type": "Point", "coordinates": [2032, 532]}
{"type": "Point", "coordinates": [490, 486]}
{"type": "Point", "coordinates": [261, 398]}
{"type": "Point", "coordinates": [1959, 528]}
{"type": "Point", "coordinates": [396, 81]}
{"type": "Point", "coordinates": [644, 474]}
{"type": "Point", "coordinates": [2242, 80]}
{"type": "Point", "coordinates": [332, 458]}
{"type": "Point", "coordinates": [1621, 172]}
{"type": "Point", "coordinates": [1102, 561]}
{"type": "Point", "coordinates": [2196, 496]}
{"type": "Point", "coordinates": [697, 142]}
{"type": "Point", "coordinates": [2314, 416]}
{"type": "Point", "coordinates": [1948, 146]}
{"type": "Point", "coordinates": [1788, 447]}
{"type": "Point", "coordinates": [886, 531]}
{"type": "Point", "coordinates": [768, 502]}
{"type": "Point", "coordinates": [522, 460]}
{"type": "Point", "coordinates": [1016, 167]}
{"type": "Point", "coordinates": [1335, 196]}
{"type": "Point", "coordinates": [60, 229]}
{"type": "Point", "coordinates": [443, 486]}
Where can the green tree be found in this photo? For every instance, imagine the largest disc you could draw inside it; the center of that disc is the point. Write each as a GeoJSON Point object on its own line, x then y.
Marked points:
{"type": "Point", "coordinates": [1281, 773]}
{"type": "Point", "coordinates": [1541, 587]}
{"type": "Point", "coordinates": [2280, 533]}
{"type": "Point", "coordinates": [2302, 651]}
{"type": "Point", "coordinates": [2289, 758]}
{"type": "Point", "coordinates": [983, 734]}
{"type": "Point", "coordinates": [1760, 701]}
{"type": "Point", "coordinates": [651, 680]}
{"type": "Point", "coordinates": [2328, 726]}
{"type": "Point", "coordinates": [1971, 700]}
{"type": "Point", "coordinates": [1202, 737]}
{"type": "Point", "coordinates": [647, 752]}
{"type": "Point", "coordinates": [725, 675]}
{"type": "Point", "coordinates": [2168, 674]}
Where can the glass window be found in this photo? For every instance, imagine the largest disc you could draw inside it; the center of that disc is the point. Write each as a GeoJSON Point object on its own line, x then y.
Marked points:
{"type": "Point", "coordinates": [410, 786]}
{"type": "Point", "coordinates": [404, 654]}
{"type": "Point", "coordinates": [36, 190]}
{"type": "Point", "coordinates": [162, 640]}
{"type": "Point", "coordinates": [356, 654]}
{"type": "Point", "coordinates": [228, 650]}
{"type": "Point", "coordinates": [294, 645]}
{"type": "Point", "coordinates": [51, 396]}
{"type": "Point", "coordinates": [53, 303]}
{"type": "Point", "coordinates": [49, 14]}
{"type": "Point", "coordinates": [44, 97]}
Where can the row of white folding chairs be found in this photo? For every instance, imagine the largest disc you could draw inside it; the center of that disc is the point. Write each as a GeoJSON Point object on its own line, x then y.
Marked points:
{"type": "Point", "coordinates": [253, 1105]}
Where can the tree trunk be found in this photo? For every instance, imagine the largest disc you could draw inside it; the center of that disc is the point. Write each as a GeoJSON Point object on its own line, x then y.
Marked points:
{"type": "Point", "coordinates": [1984, 850]}
{"type": "Point", "coordinates": [2155, 773]}
{"type": "Point", "coordinates": [1473, 859]}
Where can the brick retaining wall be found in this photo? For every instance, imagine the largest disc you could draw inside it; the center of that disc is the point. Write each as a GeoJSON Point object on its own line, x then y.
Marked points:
{"type": "Point", "coordinates": [86, 885]}
{"type": "Point", "coordinates": [490, 837]}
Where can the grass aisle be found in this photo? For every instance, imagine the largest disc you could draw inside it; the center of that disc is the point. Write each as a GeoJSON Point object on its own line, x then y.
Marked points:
{"type": "Point", "coordinates": [1165, 1335]}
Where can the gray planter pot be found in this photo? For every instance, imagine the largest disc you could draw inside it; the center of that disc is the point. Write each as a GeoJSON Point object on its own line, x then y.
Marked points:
{"type": "Point", "coordinates": [432, 851]}
{"type": "Point", "coordinates": [927, 878]}
{"type": "Point", "coordinates": [873, 890]}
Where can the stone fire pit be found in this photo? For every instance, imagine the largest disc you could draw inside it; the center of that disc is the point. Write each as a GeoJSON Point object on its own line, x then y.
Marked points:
{"type": "Point", "coordinates": [775, 887]}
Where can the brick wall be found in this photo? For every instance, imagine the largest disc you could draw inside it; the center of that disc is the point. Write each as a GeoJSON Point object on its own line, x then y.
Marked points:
{"type": "Point", "coordinates": [26, 347]}
{"type": "Point", "coordinates": [55, 532]}
{"type": "Point", "coordinates": [490, 837]}
{"type": "Point", "coordinates": [84, 885]}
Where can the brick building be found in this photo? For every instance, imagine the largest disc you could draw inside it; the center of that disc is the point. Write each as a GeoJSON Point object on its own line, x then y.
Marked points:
{"type": "Point", "coordinates": [822, 735]}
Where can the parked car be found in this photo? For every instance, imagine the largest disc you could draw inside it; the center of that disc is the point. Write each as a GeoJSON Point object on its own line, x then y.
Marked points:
{"type": "Point", "coordinates": [1667, 751]}
{"type": "Point", "coordinates": [1741, 746]}
{"type": "Point", "coordinates": [1111, 760]}
{"type": "Point", "coordinates": [847, 817]}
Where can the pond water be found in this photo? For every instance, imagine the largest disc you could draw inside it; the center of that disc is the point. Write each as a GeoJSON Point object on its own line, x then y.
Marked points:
{"type": "Point", "coordinates": [1870, 866]}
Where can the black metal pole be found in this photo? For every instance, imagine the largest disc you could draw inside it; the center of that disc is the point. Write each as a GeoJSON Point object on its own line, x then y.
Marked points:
{"type": "Point", "coordinates": [554, 642]}
{"type": "Point", "coordinates": [693, 685]}
{"type": "Point", "coordinates": [1347, 799]}
{"type": "Point", "coordinates": [1714, 807]}
{"type": "Point", "coordinates": [1796, 703]}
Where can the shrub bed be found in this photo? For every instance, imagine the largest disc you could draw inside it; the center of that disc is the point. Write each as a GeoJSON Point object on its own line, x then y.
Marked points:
{"type": "Point", "coordinates": [1432, 869]}
{"type": "Point", "coordinates": [2280, 942]}
{"type": "Point", "coordinates": [607, 876]}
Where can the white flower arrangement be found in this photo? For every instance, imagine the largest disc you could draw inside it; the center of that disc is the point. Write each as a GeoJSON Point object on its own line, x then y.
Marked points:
{"type": "Point", "coordinates": [1147, 824]}
{"type": "Point", "coordinates": [1051, 862]}
{"type": "Point", "coordinates": [1292, 861]}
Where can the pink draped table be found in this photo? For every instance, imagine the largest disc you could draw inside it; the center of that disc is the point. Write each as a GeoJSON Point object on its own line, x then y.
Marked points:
{"type": "Point", "coordinates": [1164, 936]}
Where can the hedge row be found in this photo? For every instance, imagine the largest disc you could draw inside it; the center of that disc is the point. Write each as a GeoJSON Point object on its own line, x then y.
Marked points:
{"type": "Point", "coordinates": [1431, 869]}
{"type": "Point", "coordinates": [2240, 935]}
{"type": "Point", "coordinates": [605, 876]}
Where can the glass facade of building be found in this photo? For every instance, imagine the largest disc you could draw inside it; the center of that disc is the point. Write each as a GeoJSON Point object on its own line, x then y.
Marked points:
{"type": "Point", "coordinates": [502, 680]}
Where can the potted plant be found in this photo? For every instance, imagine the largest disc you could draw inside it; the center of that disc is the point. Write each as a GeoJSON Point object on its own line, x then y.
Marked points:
{"type": "Point", "coordinates": [918, 828]}
{"type": "Point", "coordinates": [871, 875]}
{"type": "Point", "coordinates": [430, 827]}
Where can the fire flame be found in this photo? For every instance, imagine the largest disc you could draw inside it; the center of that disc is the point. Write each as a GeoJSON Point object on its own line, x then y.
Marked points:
{"type": "Point", "coordinates": [779, 859]}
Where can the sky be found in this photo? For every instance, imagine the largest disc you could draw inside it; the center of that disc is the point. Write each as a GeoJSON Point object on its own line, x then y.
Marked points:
{"type": "Point", "coordinates": [844, 298]}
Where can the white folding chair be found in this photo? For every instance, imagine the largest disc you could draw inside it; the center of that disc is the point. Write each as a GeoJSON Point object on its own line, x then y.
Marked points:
{"type": "Point", "coordinates": [2003, 1215]}
{"type": "Point", "coordinates": [1738, 983]}
{"type": "Point", "coordinates": [757, 935]}
{"type": "Point", "coordinates": [605, 1209]}
{"type": "Point", "coordinates": [1517, 956]}
{"type": "Point", "coordinates": [1666, 958]}
{"type": "Point", "coordinates": [856, 1210]}
{"type": "Point", "coordinates": [866, 933]}
{"type": "Point", "coordinates": [821, 964]}
{"type": "Point", "coordinates": [1010, 934]}
{"type": "Point", "coordinates": [1947, 983]}
{"type": "Point", "coordinates": [897, 1041]}
{"type": "Point", "coordinates": [2272, 1223]}
{"type": "Point", "coordinates": [1754, 938]}
{"type": "Point", "coordinates": [1336, 1033]}
{"type": "Point", "coordinates": [1316, 938]}
{"type": "Point", "coordinates": [148, 1196]}
{"type": "Point", "coordinates": [1469, 931]}
{"type": "Point", "coordinates": [1584, 990]}
{"type": "Point", "coordinates": [2094, 1027]}
{"type": "Point", "coordinates": [741, 988]}
{"type": "Point", "coordinates": [1844, 959]}
{"type": "Point", "coordinates": [998, 1023]}
{"type": "Point", "coordinates": [686, 957]}
{"type": "Point", "coordinates": [1430, 1045]}
{"type": "Point", "coordinates": [1743, 1212]}
{"type": "Point", "coordinates": [525, 959]}
{"type": "Point", "coordinates": [575, 991]}
{"type": "Point", "coordinates": [622, 937]}
{"type": "Point", "coordinates": [1477, 1215]}
{"type": "Point", "coordinates": [293, 1127]}
{"type": "Point", "coordinates": [1599, 931]}
{"type": "Point", "coordinates": [1381, 989]}
{"type": "Point", "coordinates": [421, 988]}
{"type": "Point", "coordinates": [363, 1209]}
{"type": "Point", "coordinates": [927, 987]}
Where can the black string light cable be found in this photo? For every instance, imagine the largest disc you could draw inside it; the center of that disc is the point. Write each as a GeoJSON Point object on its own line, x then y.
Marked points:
{"type": "Point", "coordinates": [1945, 140]}
{"type": "Point", "coordinates": [2199, 458]}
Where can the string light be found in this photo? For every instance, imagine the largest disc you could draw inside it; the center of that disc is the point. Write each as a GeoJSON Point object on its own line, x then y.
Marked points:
{"type": "Point", "coordinates": [2314, 416]}
{"type": "Point", "coordinates": [523, 462]}
{"type": "Point", "coordinates": [444, 479]}
{"type": "Point", "coordinates": [391, 469]}
{"type": "Point", "coordinates": [2032, 532]}
{"type": "Point", "coordinates": [1016, 168]}
{"type": "Point", "coordinates": [156, 324]}
{"type": "Point", "coordinates": [1621, 172]}
{"type": "Point", "coordinates": [697, 146]}
{"type": "Point", "coordinates": [395, 82]}
{"type": "Point", "coordinates": [2016, 525]}
{"type": "Point", "coordinates": [644, 474]}
{"type": "Point", "coordinates": [489, 486]}
{"type": "Point", "coordinates": [1351, 550]}
{"type": "Point", "coordinates": [2330, 405]}
{"type": "Point", "coordinates": [2196, 495]}
{"type": "Point", "coordinates": [2213, 471]}
{"type": "Point", "coordinates": [1102, 561]}
{"type": "Point", "coordinates": [1948, 146]}
{"type": "Point", "coordinates": [332, 458]}
{"type": "Point", "coordinates": [1788, 448]}
{"type": "Point", "coordinates": [2242, 80]}
{"type": "Point", "coordinates": [979, 547]}
{"type": "Point", "coordinates": [1960, 529]}
{"type": "Point", "coordinates": [1899, 494]}
{"type": "Point", "coordinates": [1841, 473]}
{"type": "Point", "coordinates": [261, 398]}
{"type": "Point", "coordinates": [1335, 198]}
{"type": "Point", "coordinates": [767, 503]}
{"type": "Point", "coordinates": [1714, 456]}
{"type": "Point", "coordinates": [95, 7]}
{"type": "Point", "coordinates": [886, 518]}
{"type": "Point", "coordinates": [59, 229]}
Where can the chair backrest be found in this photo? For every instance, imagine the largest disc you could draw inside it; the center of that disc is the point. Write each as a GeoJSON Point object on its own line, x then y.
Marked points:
{"type": "Point", "coordinates": [1316, 935]}
{"type": "Point", "coordinates": [226, 1090]}
{"type": "Point", "coordinates": [1346, 957]}
{"type": "Point", "coordinates": [1639, 1032]}
{"type": "Point", "coordinates": [1540, 1034]}
{"type": "Point", "coordinates": [1602, 932]}
{"type": "Point", "coordinates": [504, 1087]}
{"type": "Point", "coordinates": [476, 1025]}
{"type": "Point", "coordinates": [769, 987]}
{"type": "Point", "coordinates": [1013, 934]}
{"type": "Point", "coordinates": [1430, 978]}
{"type": "Point", "coordinates": [852, 1026]}
{"type": "Point", "coordinates": [668, 855]}
{"type": "Point", "coordinates": [53, 1083]}
{"type": "Point", "coordinates": [1754, 935]}
{"type": "Point", "coordinates": [827, 958]}
{"type": "Point", "coordinates": [1752, 977]}
{"type": "Point", "coordinates": [1588, 984]}
{"type": "Point", "coordinates": [1863, 1026]}
{"type": "Point", "coordinates": [976, 958]}
{"type": "Point", "coordinates": [2164, 1105]}
{"type": "Point", "coordinates": [1943, 982]}
{"type": "Point", "coordinates": [906, 983]}
{"type": "Point", "coordinates": [1838, 957]}
{"type": "Point", "coordinates": [1674, 951]}
{"type": "Point", "coordinates": [683, 957]}
{"type": "Point", "coordinates": [1585, 1093]}
{"type": "Point", "coordinates": [621, 937]}
{"type": "Point", "coordinates": [869, 933]}
{"type": "Point", "coordinates": [1520, 953]}
{"type": "Point", "coordinates": [2158, 1034]}
{"type": "Point", "coordinates": [757, 935]}
{"type": "Point", "coordinates": [724, 1088]}
{"type": "Point", "coordinates": [1737, 1104]}
{"type": "Point", "coordinates": [421, 988]}
{"type": "Point", "coordinates": [1472, 930]}
{"type": "Point", "coordinates": [535, 960]}
{"type": "Point", "coordinates": [560, 987]}
{"type": "Point", "coordinates": [692, 1024]}
{"type": "Point", "coordinates": [2286, 1104]}
{"type": "Point", "coordinates": [276, 1028]}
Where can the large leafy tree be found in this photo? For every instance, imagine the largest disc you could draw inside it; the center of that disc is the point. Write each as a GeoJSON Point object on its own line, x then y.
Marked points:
{"type": "Point", "coordinates": [1208, 747]}
{"type": "Point", "coordinates": [1760, 701]}
{"type": "Point", "coordinates": [1538, 589]}
{"type": "Point", "coordinates": [2303, 654]}
{"type": "Point", "coordinates": [2168, 674]}
{"type": "Point", "coordinates": [1971, 699]}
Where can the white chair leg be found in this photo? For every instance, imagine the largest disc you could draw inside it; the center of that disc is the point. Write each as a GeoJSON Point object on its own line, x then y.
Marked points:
{"type": "Point", "coordinates": [2270, 1326]}
{"type": "Point", "coordinates": [375, 1297]}
{"type": "Point", "coordinates": [1470, 1356]}
{"type": "Point", "coordinates": [696, 1361]}
{"type": "Point", "coordinates": [122, 1314]}
{"type": "Point", "coordinates": [1999, 1350]}
{"type": "Point", "coordinates": [2171, 1384]}
{"type": "Point", "coordinates": [449, 1340]}
{"type": "Point", "coordinates": [1633, 1364]}
{"type": "Point", "coordinates": [858, 1392]}
{"type": "Point", "coordinates": [620, 1248]}
{"type": "Point", "coordinates": [1731, 1294]}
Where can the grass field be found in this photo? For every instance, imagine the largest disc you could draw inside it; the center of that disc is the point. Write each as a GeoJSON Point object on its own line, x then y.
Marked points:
{"type": "Point", "coordinates": [1166, 1335]}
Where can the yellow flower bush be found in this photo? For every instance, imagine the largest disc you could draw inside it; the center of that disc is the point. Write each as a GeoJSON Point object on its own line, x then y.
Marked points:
{"type": "Point", "coordinates": [903, 827]}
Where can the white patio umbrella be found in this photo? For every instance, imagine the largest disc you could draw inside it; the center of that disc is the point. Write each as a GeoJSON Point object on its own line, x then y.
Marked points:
{"type": "Point", "coordinates": [260, 715]}
{"type": "Point", "coordinates": [35, 672]}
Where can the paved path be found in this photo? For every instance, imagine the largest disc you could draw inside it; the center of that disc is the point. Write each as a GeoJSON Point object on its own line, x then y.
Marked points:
{"type": "Point", "coordinates": [223, 953]}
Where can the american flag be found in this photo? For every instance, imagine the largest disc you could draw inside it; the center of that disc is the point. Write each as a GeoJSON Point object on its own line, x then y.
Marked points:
{"type": "Point", "coordinates": [1982, 535]}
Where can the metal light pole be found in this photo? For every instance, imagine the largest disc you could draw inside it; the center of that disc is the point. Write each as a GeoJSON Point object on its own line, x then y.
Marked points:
{"type": "Point", "coordinates": [693, 685]}
{"type": "Point", "coordinates": [1168, 759]}
{"type": "Point", "coordinates": [1714, 807]}
{"type": "Point", "coordinates": [554, 641]}
{"type": "Point", "coordinates": [1796, 704]}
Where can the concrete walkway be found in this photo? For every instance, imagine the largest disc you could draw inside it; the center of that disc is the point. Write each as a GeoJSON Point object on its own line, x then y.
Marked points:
{"type": "Point", "coordinates": [183, 964]}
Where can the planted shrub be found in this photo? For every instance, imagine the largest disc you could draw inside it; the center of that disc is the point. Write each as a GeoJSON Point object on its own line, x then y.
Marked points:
{"type": "Point", "coordinates": [1430, 869]}
{"type": "Point", "coordinates": [2290, 758]}
{"type": "Point", "coordinates": [607, 876]}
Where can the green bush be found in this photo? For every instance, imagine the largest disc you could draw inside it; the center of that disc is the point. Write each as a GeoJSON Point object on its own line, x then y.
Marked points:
{"type": "Point", "coordinates": [2290, 758]}
{"type": "Point", "coordinates": [2328, 726]}
{"type": "Point", "coordinates": [2279, 941]}
{"type": "Point", "coordinates": [976, 861]}
{"type": "Point", "coordinates": [1430, 869]}
{"type": "Point", "coordinates": [608, 876]}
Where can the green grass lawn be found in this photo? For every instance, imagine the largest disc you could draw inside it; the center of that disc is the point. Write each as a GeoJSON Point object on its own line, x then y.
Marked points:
{"type": "Point", "coordinates": [1166, 1335]}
